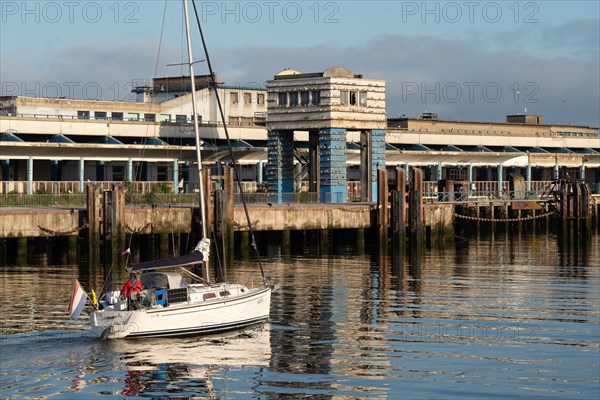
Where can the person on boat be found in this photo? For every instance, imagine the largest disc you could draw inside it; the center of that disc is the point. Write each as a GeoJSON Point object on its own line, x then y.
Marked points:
{"type": "Point", "coordinates": [132, 288]}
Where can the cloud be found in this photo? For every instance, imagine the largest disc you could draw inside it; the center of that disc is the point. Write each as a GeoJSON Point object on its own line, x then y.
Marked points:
{"type": "Point", "coordinates": [457, 78]}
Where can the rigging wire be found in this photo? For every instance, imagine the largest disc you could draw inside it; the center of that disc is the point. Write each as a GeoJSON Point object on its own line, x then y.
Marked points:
{"type": "Point", "coordinates": [231, 155]}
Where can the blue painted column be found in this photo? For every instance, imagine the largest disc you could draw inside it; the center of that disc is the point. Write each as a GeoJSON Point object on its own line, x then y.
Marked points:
{"type": "Point", "coordinates": [129, 170]}
{"type": "Point", "coordinates": [54, 171]}
{"type": "Point", "coordinates": [528, 176]}
{"type": "Point", "coordinates": [176, 175]}
{"type": "Point", "coordinates": [470, 178]}
{"type": "Point", "coordinates": [259, 173]}
{"type": "Point", "coordinates": [81, 174]}
{"type": "Point", "coordinates": [500, 172]}
{"type": "Point", "coordinates": [186, 177]}
{"type": "Point", "coordinates": [438, 174]}
{"type": "Point", "coordinates": [377, 158]}
{"type": "Point", "coordinates": [30, 175]}
{"type": "Point", "coordinates": [332, 159]}
{"type": "Point", "coordinates": [280, 164]}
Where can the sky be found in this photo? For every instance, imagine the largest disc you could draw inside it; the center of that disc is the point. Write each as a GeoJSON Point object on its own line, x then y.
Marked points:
{"type": "Point", "coordinates": [464, 60]}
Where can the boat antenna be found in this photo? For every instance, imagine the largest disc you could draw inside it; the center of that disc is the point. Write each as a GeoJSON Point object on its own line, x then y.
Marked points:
{"type": "Point", "coordinates": [196, 132]}
{"type": "Point", "coordinates": [233, 160]}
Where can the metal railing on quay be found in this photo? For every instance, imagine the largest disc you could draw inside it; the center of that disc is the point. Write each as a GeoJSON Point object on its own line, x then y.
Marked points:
{"type": "Point", "coordinates": [42, 200]}
{"type": "Point", "coordinates": [162, 199]}
{"type": "Point", "coordinates": [486, 196]}
{"type": "Point", "coordinates": [271, 198]}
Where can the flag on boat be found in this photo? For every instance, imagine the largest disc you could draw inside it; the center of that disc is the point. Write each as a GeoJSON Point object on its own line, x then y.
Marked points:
{"type": "Point", "coordinates": [78, 300]}
{"type": "Point", "coordinates": [127, 251]}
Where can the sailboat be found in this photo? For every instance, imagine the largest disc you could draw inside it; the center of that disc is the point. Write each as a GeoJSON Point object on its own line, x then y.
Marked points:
{"type": "Point", "coordinates": [175, 301]}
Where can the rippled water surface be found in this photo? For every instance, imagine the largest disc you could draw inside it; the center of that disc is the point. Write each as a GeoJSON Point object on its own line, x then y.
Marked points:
{"type": "Point", "coordinates": [509, 317]}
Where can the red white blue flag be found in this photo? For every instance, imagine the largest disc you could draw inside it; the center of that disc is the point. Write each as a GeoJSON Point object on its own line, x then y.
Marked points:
{"type": "Point", "coordinates": [78, 300]}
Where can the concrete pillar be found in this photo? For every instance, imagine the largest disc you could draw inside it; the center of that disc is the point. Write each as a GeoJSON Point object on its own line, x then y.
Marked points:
{"type": "Point", "coordinates": [55, 170]}
{"type": "Point", "coordinates": [81, 174]}
{"type": "Point", "coordinates": [438, 173]}
{"type": "Point", "coordinates": [332, 159]}
{"type": "Point", "coordinates": [30, 175]}
{"type": "Point", "coordinates": [259, 172]}
{"type": "Point", "coordinates": [500, 173]}
{"type": "Point", "coordinates": [555, 172]}
{"type": "Point", "coordinates": [186, 177]}
{"type": "Point", "coordinates": [129, 170]}
{"type": "Point", "coordinates": [470, 177]}
{"type": "Point", "coordinates": [528, 176]}
{"type": "Point", "coordinates": [280, 165]}
{"type": "Point", "coordinates": [582, 172]}
{"type": "Point", "coordinates": [176, 175]}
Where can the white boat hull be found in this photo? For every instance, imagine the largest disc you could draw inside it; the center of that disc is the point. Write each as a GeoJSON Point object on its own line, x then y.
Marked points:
{"type": "Point", "coordinates": [187, 318]}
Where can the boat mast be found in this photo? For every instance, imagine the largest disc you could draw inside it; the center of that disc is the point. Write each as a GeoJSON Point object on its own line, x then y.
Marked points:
{"type": "Point", "coordinates": [196, 129]}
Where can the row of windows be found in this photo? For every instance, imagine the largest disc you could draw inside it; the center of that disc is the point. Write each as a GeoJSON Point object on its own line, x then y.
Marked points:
{"type": "Point", "coordinates": [303, 98]}
{"type": "Point", "coordinates": [235, 98]}
{"type": "Point", "coordinates": [313, 98]}
{"type": "Point", "coordinates": [120, 116]}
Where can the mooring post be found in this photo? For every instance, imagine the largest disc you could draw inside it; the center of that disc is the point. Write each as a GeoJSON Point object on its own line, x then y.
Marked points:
{"type": "Point", "coordinates": [416, 207]}
{"type": "Point", "coordinates": [229, 187]}
{"type": "Point", "coordinates": [93, 212]}
{"type": "Point", "coordinates": [382, 205]}
{"type": "Point", "coordinates": [286, 242]}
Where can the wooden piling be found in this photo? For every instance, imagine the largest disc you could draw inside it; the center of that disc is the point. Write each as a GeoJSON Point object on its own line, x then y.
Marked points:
{"type": "Point", "coordinates": [416, 208]}
{"type": "Point", "coordinates": [382, 205]}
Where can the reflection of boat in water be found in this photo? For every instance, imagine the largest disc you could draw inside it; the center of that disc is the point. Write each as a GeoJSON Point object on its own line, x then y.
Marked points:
{"type": "Point", "coordinates": [181, 303]}
{"type": "Point", "coordinates": [190, 365]}
{"type": "Point", "coordinates": [249, 347]}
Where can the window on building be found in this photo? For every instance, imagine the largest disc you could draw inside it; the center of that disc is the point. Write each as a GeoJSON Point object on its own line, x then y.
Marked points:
{"type": "Point", "coordinates": [362, 99]}
{"type": "Point", "coordinates": [117, 116]}
{"type": "Point", "coordinates": [352, 98]}
{"type": "Point", "coordinates": [133, 116]}
{"type": "Point", "coordinates": [344, 97]}
{"type": "Point", "coordinates": [293, 99]}
{"type": "Point", "coordinates": [165, 117]}
{"type": "Point", "coordinates": [180, 119]}
{"type": "Point", "coordinates": [234, 98]}
{"type": "Point", "coordinates": [315, 97]}
{"type": "Point", "coordinates": [260, 99]}
{"type": "Point", "coordinates": [283, 99]}
{"type": "Point", "coordinates": [83, 114]}
{"type": "Point", "coordinates": [247, 98]}
{"type": "Point", "coordinates": [100, 114]}
{"type": "Point", "coordinates": [150, 117]}
{"type": "Point", "coordinates": [304, 98]}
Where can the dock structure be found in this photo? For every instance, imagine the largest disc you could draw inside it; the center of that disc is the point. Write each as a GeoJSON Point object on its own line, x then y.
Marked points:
{"type": "Point", "coordinates": [317, 153]}
{"type": "Point", "coordinates": [328, 110]}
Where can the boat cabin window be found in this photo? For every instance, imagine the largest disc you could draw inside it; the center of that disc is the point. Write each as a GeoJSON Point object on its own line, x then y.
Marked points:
{"type": "Point", "coordinates": [163, 280]}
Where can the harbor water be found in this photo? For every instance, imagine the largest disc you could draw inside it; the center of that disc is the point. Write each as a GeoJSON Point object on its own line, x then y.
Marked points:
{"type": "Point", "coordinates": [510, 316]}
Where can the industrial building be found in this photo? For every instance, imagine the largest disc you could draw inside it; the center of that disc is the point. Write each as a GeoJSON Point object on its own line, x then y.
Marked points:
{"type": "Point", "coordinates": [324, 132]}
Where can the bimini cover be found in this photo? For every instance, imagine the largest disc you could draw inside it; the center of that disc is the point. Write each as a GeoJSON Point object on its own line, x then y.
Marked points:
{"type": "Point", "coordinates": [181, 261]}
{"type": "Point", "coordinates": [163, 280]}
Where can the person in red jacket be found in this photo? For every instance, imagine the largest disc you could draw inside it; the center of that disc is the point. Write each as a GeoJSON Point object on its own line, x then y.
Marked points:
{"type": "Point", "coordinates": [133, 286]}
